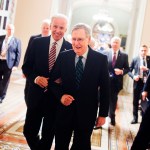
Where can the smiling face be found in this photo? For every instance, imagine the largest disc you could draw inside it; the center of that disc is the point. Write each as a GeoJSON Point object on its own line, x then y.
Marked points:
{"type": "Point", "coordinates": [80, 41]}
{"type": "Point", "coordinates": [58, 28]}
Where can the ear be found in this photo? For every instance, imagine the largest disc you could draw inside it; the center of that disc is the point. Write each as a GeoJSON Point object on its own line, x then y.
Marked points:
{"type": "Point", "coordinates": [89, 39]}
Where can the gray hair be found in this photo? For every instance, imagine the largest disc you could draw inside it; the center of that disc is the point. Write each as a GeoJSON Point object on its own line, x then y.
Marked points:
{"type": "Point", "coordinates": [116, 38]}
{"type": "Point", "coordinates": [46, 21]}
{"type": "Point", "coordinates": [83, 26]}
{"type": "Point", "coordinates": [57, 16]}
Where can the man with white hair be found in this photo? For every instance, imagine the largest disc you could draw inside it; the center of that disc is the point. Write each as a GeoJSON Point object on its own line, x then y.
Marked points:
{"type": "Point", "coordinates": [118, 67]}
{"type": "Point", "coordinates": [10, 53]}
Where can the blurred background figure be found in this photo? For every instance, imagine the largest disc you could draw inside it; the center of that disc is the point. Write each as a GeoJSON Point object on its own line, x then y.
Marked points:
{"type": "Point", "coordinates": [10, 53]}
{"type": "Point", "coordinates": [140, 65]}
{"type": "Point", "coordinates": [118, 67]}
{"type": "Point", "coordinates": [93, 44]}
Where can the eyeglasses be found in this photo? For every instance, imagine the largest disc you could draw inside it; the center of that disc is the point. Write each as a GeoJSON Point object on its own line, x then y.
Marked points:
{"type": "Point", "coordinates": [78, 39]}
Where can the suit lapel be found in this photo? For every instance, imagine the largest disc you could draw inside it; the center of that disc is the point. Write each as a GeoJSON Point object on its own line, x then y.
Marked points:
{"type": "Point", "coordinates": [138, 64]}
{"type": "Point", "coordinates": [148, 61]}
{"type": "Point", "coordinates": [118, 58]}
{"type": "Point", "coordinates": [72, 70]}
{"type": "Point", "coordinates": [63, 47]}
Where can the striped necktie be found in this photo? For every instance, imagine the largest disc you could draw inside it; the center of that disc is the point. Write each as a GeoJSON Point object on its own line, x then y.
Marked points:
{"type": "Point", "coordinates": [79, 71]}
{"type": "Point", "coordinates": [52, 56]}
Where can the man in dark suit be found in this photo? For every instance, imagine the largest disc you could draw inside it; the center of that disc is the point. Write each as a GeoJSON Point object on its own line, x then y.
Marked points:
{"type": "Point", "coordinates": [82, 71]}
{"type": "Point", "coordinates": [42, 104]}
{"type": "Point", "coordinates": [140, 65]}
{"type": "Point", "coordinates": [142, 139]}
{"type": "Point", "coordinates": [118, 67]}
{"type": "Point", "coordinates": [45, 31]}
{"type": "Point", "coordinates": [10, 53]}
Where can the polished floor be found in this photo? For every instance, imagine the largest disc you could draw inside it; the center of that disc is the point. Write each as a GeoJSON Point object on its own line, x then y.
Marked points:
{"type": "Point", "coordinates": [12, 114]}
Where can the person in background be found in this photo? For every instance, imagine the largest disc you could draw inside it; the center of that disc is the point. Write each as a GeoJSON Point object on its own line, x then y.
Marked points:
{"type": "Point", "coordinates": [140, 64]}
{"type": "Point", "coordinates": [10, 53]}
{"type": "Point", "coordinates": [93, 44]}
{"type": "Point", "coordinates": [118, 67]}
{"type": "Point", "coordinates": [45, 31]}
{"type": "Point", "coordinates": [78, 94]}
{"type": "Point", "coordinates": [42, 104]}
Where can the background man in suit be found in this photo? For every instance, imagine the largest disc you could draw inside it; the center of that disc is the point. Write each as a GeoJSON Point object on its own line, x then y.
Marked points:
{"type": "Point", "coordinates": [140, 64]}
{"type": "Point", "coordinates": [142, 139]}
{"type": "Point", "coordinates": [118, 67]}
{"type": "Point", "coordinates": [45, 31]}
{"type": "Point", "coordinates": [43, 104]}
{"type": "Point", "coordinates": [10, 53]}
{"type": "Point", "coordinates": [82, 71]}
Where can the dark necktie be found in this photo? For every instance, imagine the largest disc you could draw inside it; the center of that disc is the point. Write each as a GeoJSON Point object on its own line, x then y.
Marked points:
{"type": "Point", "coordinates": [114, 60]}
{"type": "Point", "coordinates": [144, 62]}
{"type": "Point", "coordinates": [144, 72]}
{"type": "Point", "coordinates": [52, 56]}
{"type": "Point", "coordinates": [79, 71]}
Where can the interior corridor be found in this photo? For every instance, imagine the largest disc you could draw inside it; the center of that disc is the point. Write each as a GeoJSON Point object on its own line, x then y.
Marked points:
{"type": "Point", "coordinates": [12, 114]}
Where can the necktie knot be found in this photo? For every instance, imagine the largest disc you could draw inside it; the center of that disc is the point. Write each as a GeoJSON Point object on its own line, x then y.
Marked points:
{"type": "Point", "coordinates": [80, 57]}
{"type": "Point", "coordinates": [54, 43]}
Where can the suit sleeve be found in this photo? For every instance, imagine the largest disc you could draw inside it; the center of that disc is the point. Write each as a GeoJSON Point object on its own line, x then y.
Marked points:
{"type": "Point", "coordinates": [18, 52]}
{"type": "Point", "coordinates": [28, 49]}
{"type": "Point", "coordinates": [28, 66]}
{"type": "Point", "coordinates": [131, 69]}
{"type": "Point", "coordinates": [104, 89]}
{"type": "Point", "coordinates": [126, 65]}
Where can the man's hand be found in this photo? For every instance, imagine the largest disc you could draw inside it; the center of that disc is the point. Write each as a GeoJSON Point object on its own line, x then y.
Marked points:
{"type": "Point", "coordinates": [100, 121]}
{"type": "Point", "coordinates": [118, 71]}
{"type": "Point", "coordinates": [144, 95]}
{"type": "Point", "coordinates": [143, 68]}
{"type": "Point", "coordinates": [42, 81]}
{"type": "Point", "coordinates": [136, 78]}
{"type": "Point", "coordinates": [67, 99]}
{"type": "Point", "coordinates": [14, 68]}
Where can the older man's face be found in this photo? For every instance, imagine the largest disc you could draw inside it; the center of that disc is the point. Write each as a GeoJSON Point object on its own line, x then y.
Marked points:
{"type": "Point", "coordinates": [80, 41]}
{"type": "Point", "coordinates": [58, 28]}
{"type": "Point", "coordinates": [115, 44]}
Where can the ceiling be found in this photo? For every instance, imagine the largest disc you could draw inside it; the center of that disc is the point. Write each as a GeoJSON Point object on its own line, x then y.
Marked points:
{"type": "Point", "coordinates": [120, 10]}
{"type": "Point", "coordinates": [122, 4]}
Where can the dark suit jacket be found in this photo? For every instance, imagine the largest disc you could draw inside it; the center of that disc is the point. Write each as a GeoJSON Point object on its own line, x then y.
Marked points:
{"type": "Point", "coordinates": [121, 63]}
{"type": "Point", "coordinates": [86, 98]}
{"type": "Point", "coordinates": [135, 65]}
{"type": "Point", "coordinates": [29, 45]}
{"type": "Point", "coordinates": [147, 86]}
{"type": "Point", "coordinates": [36, 64]}
{"type": "Point", "coordinates": [13, 53]}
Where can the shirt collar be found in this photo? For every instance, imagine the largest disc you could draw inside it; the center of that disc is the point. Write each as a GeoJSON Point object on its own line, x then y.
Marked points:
{"type": "Point", "coordinates": [115, 52]}
{"type": "Point", "coordinates": [84, 55]}
{"type": "Point", "coordinates": [59, 42]}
